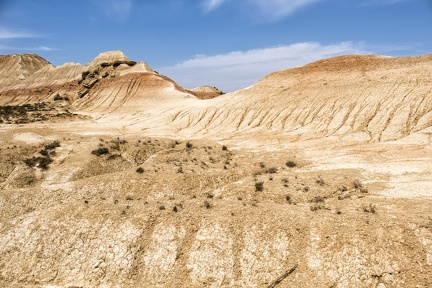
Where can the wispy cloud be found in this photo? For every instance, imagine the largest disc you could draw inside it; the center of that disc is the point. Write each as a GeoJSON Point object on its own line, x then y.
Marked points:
{"type": "Point", "coordinates": [38, 48]}
{"type": "Point", "coordinates": [239, 69]}
{"type": "Point", "coordinates": [115, 9]}
{"type": "Point", "coordinates": [277, 9]}
{"type": "Point", "coordinates": [268, 10]}
{"type": "Point", "coordinates": [210, 5]}
{"type": "Point", "coordinates": [6, 33]}
{"type": "Point", "coordinates": [382, 2]}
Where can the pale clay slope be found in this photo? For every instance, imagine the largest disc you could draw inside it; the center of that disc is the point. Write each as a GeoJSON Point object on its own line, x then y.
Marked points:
{"type": "Point", "coordinates": [336, 115]}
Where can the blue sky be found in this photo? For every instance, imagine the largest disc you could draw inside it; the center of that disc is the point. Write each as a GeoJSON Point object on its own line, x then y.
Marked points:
{"type": "Point", "coordinates": [229, 44]}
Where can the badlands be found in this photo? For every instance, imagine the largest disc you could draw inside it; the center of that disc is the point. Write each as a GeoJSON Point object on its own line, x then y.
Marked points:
{"type": "Point", "coordinates": [112, 175]}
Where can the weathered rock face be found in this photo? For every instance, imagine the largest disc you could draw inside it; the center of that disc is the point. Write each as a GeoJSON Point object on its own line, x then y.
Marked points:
{"type": "Point", "coordinates": [16, 68]}
{"type": "Point", "coordinates": [368, 98]}
{"type": "Point", "coordinates": [112, 58]}
{"type": "Point", "coordinates": [43, 82]}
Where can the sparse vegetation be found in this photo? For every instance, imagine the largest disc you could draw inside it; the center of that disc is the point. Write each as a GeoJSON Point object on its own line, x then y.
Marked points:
{"type": "Point", "coordinates": [291, 164]}
{"type": "Point", "coordinates": [52, 145]}
{"type": "Point", "coordinates": [259, 186]}
{"type": "Point", "coordinates": [272, 170]}
{"type": "Point", "coordinates": [317, 207]}
{"type": "Point", "coordinates": [207, 204]}
{"type": "Point", "coordinates": [371, 208]}
{"type": "Point", "coordinates": [100, 151]}
{"type": "Point", "coordinates": [285, 181]}
{"type": "Point", "coordinates": [140, 170]}
{"type": "Point", "coordinates": [44, 161]}
{"type": "Point", "coordinates": [28, 113]}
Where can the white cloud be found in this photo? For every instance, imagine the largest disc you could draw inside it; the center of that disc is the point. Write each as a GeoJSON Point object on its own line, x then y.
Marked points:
{"type": "Point", "coordinates": [266, 10]}
{"type": "Point", "coordinates": [115, 9]}
{"type": "Point", "coordinates": [210, 5]}
{"type": "Point", "coordinates": [38, 48]}
{"type": "Point", "coordinates": [277, 9]}
{"type": "Point", "coordinates": [382, 2]}
{"type": "Point", "coordinates": [6, 33]}
{"type": "Point", "coordinates": [239, 69]}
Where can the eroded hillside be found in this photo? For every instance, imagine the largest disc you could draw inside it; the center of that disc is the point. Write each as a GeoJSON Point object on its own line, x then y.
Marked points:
{"type": "Point", "coordinates": [112, 175]}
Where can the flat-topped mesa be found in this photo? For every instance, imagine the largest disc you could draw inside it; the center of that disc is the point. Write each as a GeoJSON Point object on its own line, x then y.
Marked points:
{"type": "Point", "coordinates": [114, 58]}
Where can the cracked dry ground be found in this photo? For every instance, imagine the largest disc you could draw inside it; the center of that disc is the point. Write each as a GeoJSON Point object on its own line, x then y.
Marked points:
{"type": "Point", "coordinates": [129, 210]}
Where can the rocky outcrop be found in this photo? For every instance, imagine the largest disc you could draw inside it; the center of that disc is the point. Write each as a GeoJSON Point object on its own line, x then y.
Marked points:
{"type": "Point", "coordinates": [114, 58]}
{"type": "Point", "coordinates": [75, 81]}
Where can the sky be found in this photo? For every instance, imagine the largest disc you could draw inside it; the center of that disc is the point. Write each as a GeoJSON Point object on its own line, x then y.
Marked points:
{"type": "Point", "coordinates": [229, 44]}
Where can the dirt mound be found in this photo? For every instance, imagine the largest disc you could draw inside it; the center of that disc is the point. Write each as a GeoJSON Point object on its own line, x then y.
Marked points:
{"type": "Point", "coordinates": [206, 92]}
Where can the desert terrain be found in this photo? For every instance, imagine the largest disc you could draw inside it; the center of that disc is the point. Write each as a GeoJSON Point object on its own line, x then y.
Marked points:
{"type": "Point", "coordinates": [112, 175]}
